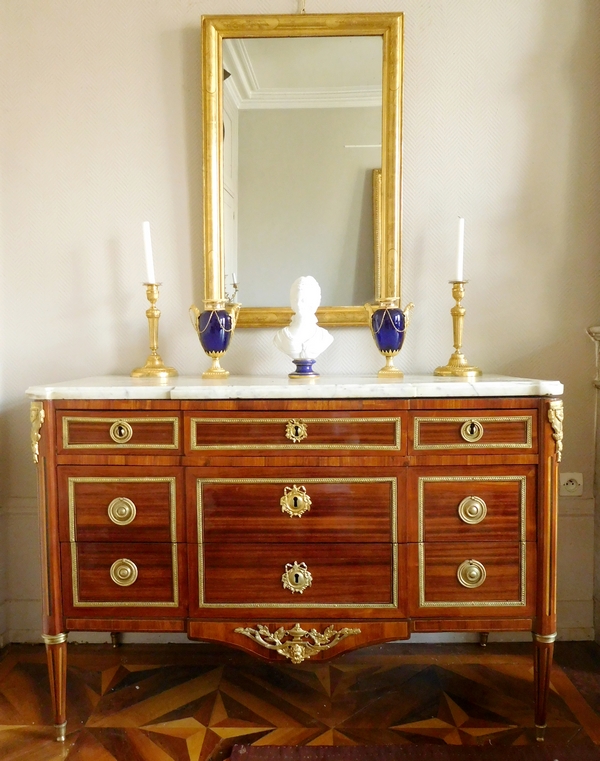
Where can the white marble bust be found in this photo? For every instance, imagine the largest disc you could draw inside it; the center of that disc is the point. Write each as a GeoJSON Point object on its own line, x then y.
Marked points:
{"type": "Point", "coordinates": [303, 338]}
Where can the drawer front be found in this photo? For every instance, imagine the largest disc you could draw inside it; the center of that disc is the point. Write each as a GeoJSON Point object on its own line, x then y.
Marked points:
{"type": "Point", "coordinates": [460, 432]}
{"type": "Point", "coordinates": [109, 433]}
{"type": "Point", "coordinates": [251, 432]}
{"type": "Point", "coordinates": [275, 510]}
{"type": "Point", "coordinates": [124, 575]}
{"type": "Point", "coordinates": [488, 504]}
{"type": "Point", "coordinates": [471, 576]}
{"type": "Point", "coordinates": [298, 576]}
{"type": "Point", "coordinates": [111, 507]}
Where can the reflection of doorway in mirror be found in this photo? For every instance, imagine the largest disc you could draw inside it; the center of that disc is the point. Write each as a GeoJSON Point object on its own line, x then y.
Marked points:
{"type": "Point", "coordinates": [309, 138]}
{"type": "Point", "coordinates": [230, 186]}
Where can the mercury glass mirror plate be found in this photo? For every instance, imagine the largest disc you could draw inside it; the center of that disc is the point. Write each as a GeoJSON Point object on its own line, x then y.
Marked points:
{"type": "Point", "coordinates": [298, 112]}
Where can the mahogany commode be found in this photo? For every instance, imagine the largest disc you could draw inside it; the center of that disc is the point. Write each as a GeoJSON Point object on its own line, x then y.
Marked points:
{"type": "Point", "coordinates": [297, 521]}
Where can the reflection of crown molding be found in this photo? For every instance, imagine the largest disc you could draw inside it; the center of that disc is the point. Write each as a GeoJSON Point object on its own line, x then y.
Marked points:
{"type": "Point", "coordinates": [247, 94]}
{"type": "Point", "coordinates": [237, 63]}
{"type": "Point", "coordinates": [319, 97]}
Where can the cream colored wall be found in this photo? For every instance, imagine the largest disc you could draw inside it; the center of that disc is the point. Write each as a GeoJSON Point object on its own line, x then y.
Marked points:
{"type": "Point", "coordinates": [100, 129]}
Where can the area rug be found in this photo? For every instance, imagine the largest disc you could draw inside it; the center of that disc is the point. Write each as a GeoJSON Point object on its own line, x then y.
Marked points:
{"type": "Point", "coordinates": [410, 752]}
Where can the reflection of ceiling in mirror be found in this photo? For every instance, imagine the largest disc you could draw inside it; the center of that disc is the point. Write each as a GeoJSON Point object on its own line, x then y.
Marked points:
{"type": "Point", "coordinates": [305, 72]}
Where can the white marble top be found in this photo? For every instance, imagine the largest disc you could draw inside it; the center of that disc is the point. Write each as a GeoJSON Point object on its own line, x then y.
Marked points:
{"type": "Point", "coordinates": [328, 387]}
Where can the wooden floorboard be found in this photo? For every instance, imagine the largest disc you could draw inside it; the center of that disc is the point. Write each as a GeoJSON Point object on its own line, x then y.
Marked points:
{"type": "Point", "coordinates": [194, 702]}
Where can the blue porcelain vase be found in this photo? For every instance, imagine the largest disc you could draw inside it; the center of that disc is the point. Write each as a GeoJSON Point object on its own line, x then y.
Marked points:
{"type": "Point", "coordinates": [214, 328]}
{"type": "Point", "coordinates": [388, 325]}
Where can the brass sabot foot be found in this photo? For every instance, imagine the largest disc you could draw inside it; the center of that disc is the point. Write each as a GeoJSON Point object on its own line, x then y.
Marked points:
{"type": "Point", "coordinates": [61, 732]}
{"type": "Point", "coordinates": [540, 733]}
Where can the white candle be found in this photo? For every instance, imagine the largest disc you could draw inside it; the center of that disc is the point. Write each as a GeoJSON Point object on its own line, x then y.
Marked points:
{"type": "Point", "coordinates": [460, 254]}
{"type": "Point", "coordinates": [148, 252]}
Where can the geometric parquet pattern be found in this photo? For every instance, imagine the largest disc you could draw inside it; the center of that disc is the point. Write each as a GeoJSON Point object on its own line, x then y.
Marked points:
{"type": "Point", "coordinates": [193, 703]}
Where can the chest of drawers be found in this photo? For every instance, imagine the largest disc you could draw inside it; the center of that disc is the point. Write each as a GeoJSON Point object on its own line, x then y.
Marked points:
{"type": "Point", "coordinates": [298, 528]}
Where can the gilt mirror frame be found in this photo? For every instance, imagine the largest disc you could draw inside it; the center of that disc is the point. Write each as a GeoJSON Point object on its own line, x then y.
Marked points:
{"type": "Point", "coordinates": [387, 207]}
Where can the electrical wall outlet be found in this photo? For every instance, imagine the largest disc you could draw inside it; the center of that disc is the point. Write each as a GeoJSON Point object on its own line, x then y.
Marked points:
{"type": "Point", "coordinates": [570, 484]}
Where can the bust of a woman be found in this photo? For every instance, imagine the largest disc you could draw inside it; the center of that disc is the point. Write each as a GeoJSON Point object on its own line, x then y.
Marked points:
{"type": "Point", "coordinates": [303, 338]}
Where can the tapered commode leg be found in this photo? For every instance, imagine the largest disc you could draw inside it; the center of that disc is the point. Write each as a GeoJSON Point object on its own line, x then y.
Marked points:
{"type": "Point", "coordinates": [56, 654]}
{"type": "Point", "coordinates": [542, 666]}
{"type": "Point", "coordinates": [483, 638]}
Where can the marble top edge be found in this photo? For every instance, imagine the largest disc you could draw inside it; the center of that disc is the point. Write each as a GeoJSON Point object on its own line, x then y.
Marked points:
{"type": "Point", "coordinates": [256, 387]}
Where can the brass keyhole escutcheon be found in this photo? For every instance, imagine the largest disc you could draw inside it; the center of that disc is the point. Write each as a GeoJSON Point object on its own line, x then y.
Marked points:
{"type": "Point", "coordinates": [471, 574]}
{"type": "Point", "coordinates": [472, 510]}
{"type": "Point", "coordinates": [296, 431]}
{"type": "Point", "coordinates": [121, 431]}
{"type": "Point", "coordinates": [471, 431]}
{"type": "Point", "coordinates": [124, 572]}
{"type": "Point", "coordinates": [296, 577]}
{"type": "Point", "coordinates": [122, 511]}
{"type": "Point", "coordinates": [295, 501]}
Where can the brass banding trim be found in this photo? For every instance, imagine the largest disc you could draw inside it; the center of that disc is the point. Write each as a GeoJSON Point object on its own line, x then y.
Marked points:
{"type": "Point", "coordinates": [522, 480]}
{"type": "Point", "coordinates": [55, 639]}
{"type": "Point", "coordinates": [120, 421]}
{"type": "Point", "coordinates": [77, 603]}
{"type": "Point", "coordinates": [424, 603]}
{"type": "Point", "coordinates": [527, 419]}
{"type": "Point", "coordinates": [73, 480]}
{"type": "Point", "coordinates": [546, 639]}
{"type": "Point", "coordinates": [305, 605]}
{"type": "Point", "coordinates": [298, 445]}
{"type": "Point", "coordinates": [377, 479]}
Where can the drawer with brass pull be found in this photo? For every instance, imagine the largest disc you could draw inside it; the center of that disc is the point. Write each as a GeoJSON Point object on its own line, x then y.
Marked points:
{"type": "Point", "coordinates": [273, 509]}
{"type": "Point", "coordinates": [124, 576]}
{"type": "Point", "coordinates": [295, 576]}
{"type": "Point", "coordinates": [253, 431]}
{"type": "Point", "coordinates": [450, 432]}
{"type": "Point", "coordinates": [483, 503]}
{"type": "Point", "coordinates": [471, 576]}
{"type": "Point", "coordinates": [98, 432]}
{"type": "Point", "coordinates": [117, 504]}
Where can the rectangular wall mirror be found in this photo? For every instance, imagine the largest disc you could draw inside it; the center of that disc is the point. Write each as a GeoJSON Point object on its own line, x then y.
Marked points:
{"type": "Point", "coordinates": [299, 114]}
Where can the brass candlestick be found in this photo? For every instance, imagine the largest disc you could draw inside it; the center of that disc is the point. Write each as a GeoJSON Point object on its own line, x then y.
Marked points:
{"type": "Point", "coordinates": [154, 367]}
{"type": "Point", "coordinates": [457, 364]}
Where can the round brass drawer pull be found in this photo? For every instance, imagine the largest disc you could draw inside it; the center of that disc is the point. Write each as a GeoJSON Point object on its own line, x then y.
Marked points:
{"type": "Point", "coordinates": [296, 577]}
{"type": "Point", "coordinates": [124, 572]}
{"type": "Point", "coordinates": [295, 501]}
{"type": "Point", "coordinates": [471, 574]}
{"type": "Point", "coordinates": [296, 431]}
{"type": "Point", "coordinates": [121, 432]}
{"type": "Point", "coordinates": [121, 511]}
{"type": "Point", "coordinates": [471, 431]}
{"type": "Point", "coordinates": [472, 510]}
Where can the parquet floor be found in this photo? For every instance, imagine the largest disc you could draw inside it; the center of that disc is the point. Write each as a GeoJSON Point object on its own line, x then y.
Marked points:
{"type": "Point", "coordinates": [194, 702]}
